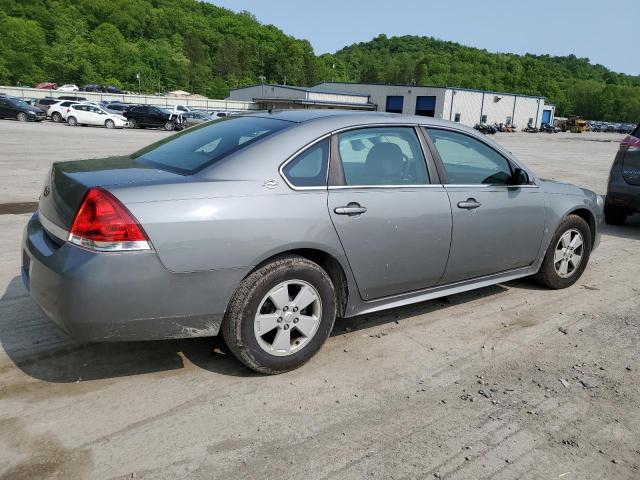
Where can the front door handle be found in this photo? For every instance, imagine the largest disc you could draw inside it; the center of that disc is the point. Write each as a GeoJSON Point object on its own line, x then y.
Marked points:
{"type": "Point", "coordinates": [469, 204]}
{"type": "Point", "coordinates": [353, 208]}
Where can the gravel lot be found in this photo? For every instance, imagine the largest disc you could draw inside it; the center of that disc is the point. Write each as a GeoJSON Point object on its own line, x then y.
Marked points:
{"type": "Point", "coordinates": [510, 381]}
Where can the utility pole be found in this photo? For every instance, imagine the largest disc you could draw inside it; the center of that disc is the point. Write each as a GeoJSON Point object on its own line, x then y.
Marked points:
{"type": "Point", "coordinates": [139, 82]}
{"type": "Point", "coordinates": [262, 79]}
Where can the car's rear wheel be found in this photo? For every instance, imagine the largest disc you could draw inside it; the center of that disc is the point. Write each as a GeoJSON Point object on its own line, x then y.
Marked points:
{"type": "Point", "coordinates": [22, 117]}
{"type": "Point", "coordinates": [110, 124]}
{"type": "Point", "coordinates": [169, 126]}
{"type": "Point", "coordinates": [133, 123]}
{"type": "Point", "coordinates": [280, 315]}
{"type": "Point", "coordinates": [73, 121]}
{"type": "Point", "coordinates": [56, 117]}
{"type": "Point", "coordinates": [567, 255]}
{"type": "Point", "coordinates": [614, 215]}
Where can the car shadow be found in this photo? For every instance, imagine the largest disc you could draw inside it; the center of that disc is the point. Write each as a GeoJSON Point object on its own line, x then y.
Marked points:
{"type": "Point", "coordinates": [43, 351]}
{"type": "Point", "coordinates": [629, 230]}
{"type": "Point", "coordinates": [362, 322]}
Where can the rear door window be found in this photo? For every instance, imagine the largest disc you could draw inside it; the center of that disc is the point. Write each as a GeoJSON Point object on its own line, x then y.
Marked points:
{"type": "Point", "coordinates": [382, 156]}
{"type": "Point", "coordinates": [201, 146]}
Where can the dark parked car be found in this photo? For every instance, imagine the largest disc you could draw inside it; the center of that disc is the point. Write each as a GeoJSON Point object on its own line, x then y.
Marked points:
{"type": "Point", "coordinates": [75, 98]}
{"type": "Point", "coordinates": [623, 191]}
{"type": "Point", "coordinates": [154, 117]}
{"type": "Point", "coordinates": [195, 118]}
{"type": "Point", "coordinates": [11, 107]}
{"type": "Point", "coordinates": [117, 107]}
{"type": "Point", "coordinates": [45, 103]}
{"type": "Point", "coordinates": [112, 89]}
{"type": "Point", "coordinates": [92, 87]}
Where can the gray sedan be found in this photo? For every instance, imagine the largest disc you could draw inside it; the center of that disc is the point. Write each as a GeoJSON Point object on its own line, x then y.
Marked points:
{"type": "Point", "coordinates": [266, 227]}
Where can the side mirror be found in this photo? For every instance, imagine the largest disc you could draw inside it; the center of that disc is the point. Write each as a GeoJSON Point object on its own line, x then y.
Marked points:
{"type": "Point", "coordinates": [519, 177]}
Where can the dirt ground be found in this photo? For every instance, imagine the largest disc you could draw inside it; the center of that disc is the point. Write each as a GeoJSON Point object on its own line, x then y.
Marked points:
{"type": "Point", "coordinates": [509, 381]}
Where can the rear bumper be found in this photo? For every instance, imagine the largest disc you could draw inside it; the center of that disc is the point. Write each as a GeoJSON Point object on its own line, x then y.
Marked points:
{"type": "Point", "coordinates": [121, 296]}
{"type": "Point", "coordinates": [622, 195]}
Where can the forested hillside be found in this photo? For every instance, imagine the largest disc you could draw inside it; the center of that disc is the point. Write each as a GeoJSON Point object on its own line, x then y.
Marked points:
{"type": "Point", "coordinates": [198, 47]}
{"type": "Point", "coordinates": [573, 84]}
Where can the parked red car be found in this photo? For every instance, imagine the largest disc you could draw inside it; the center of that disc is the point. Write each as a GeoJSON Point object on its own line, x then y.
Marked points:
{"type": "Point", "coordinates": [47, 86]}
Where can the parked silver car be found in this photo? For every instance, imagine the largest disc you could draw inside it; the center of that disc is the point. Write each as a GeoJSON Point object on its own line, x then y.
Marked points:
{"type": "Point", "coordinates": [265, 227]}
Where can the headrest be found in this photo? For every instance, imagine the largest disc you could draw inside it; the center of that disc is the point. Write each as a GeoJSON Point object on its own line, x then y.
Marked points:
{"type": "Point", "coordinates": [384, 161]}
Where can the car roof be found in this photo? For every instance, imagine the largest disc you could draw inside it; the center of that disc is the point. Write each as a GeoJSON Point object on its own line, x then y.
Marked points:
{"type": "Point", "coordinates": [349, 116]}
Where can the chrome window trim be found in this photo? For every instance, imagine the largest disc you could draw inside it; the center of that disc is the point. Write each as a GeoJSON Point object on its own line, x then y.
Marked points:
{"type": "Point", "coordinates": [490, 185]}
{"type": "Point", "coordinates": [329, 134]}
{"type": "Point", "coordinates": [53, 229]}
{"type": "Point", "coordinates": [295, 155]}
{"type": "Point", "coordinates": [356, 187]}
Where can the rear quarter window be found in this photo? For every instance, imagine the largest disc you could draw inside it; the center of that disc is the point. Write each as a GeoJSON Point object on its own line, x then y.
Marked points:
{"type": "Point", "coordinates": [201, 146]}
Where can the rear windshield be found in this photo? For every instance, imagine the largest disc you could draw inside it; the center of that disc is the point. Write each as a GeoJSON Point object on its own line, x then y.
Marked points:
{"type": "Point", "coordinates": [636, 132]}
{"type": "Point", "coordinates": [204, 145]}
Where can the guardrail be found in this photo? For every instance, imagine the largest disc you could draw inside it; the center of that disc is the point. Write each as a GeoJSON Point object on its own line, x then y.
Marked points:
{"type": "Point", "coordinates": [160, 101]}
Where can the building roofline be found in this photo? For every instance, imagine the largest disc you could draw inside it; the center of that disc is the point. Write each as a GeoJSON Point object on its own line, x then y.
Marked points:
{"type": "Point", "coordinates": [463, 89]}
{"type": "Point", "coordinates": [300, 89]}
{"type": "Point", "coordinates": [302, 101]}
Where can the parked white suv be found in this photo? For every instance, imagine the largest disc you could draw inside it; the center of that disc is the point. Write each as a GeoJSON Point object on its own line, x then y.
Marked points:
{"type": "Point", "coordinates": [69, 87]}
{"type": "Point", "coordinates": [87, 114]}
{"type": "Point", "coordinates": [58, 111]}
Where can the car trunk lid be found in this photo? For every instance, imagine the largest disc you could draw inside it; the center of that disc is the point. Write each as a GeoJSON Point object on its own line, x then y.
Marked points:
{"type": "Point", "coordinates": [68, 182]}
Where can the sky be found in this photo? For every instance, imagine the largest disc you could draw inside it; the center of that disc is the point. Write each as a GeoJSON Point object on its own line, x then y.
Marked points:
{"type": "Point", "coordinates": [603, 31]}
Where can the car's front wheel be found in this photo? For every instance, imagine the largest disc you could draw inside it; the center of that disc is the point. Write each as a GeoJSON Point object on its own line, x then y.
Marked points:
{"type": "Point", "coordinates": [110, 124]}
{"type": "Point", "coordinates": [280, 315]}
{"type": "Point", "coordinates": [567, 255]}
{"type": "Point", "coordinates": [22, 117]}
{"type": "Point", "coordinates": [169, 126]}
{"type": "Point", "coordinates": [72, 121]}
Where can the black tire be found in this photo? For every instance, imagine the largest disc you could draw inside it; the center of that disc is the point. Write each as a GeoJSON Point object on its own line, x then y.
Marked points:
{"type": "Point", "coordinates": [72, 121]}
{"type": "Point", "coordinates": [133, 123]}
{"type": "Point", "coordinates": [22, 117]}
{"type": "Point", "coordinates": [547, 275]}
{"type": "Point", "coordinates": [238, 324]}
{"type": "Point", "coordinates": [56, 117]}
{"type": "Point", "coordinates": [110, 124]}
{"type": "Point", "coordinates": [614, 215]}
{"type": "Point", "coordinates": [169, 126]}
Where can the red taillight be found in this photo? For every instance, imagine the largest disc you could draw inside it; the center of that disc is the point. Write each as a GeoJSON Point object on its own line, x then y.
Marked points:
{"type": "Point", "coordinates": [103, 223]}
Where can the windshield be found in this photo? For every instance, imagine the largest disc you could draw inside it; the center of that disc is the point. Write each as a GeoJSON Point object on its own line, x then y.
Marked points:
{"type": "Point", "coordinates": [19, 103]}
{"type": "Point", "coordinates": [201, 146]}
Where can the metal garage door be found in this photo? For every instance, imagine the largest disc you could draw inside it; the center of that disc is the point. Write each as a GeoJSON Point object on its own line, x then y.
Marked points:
{"type": "Point", "coordinates": [546, 116]}
{"type": "Point", "coordinates": [426, 106]}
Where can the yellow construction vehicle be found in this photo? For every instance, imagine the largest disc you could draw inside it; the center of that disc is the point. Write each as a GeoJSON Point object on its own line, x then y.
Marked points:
{"type": "Point", "coordinates": [576, 124]}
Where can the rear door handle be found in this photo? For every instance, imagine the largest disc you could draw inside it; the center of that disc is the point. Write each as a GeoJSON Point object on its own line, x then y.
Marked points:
{"type": "Point", "coordinates": [352, 208]}
{"type": "Point", "coordinates": [469, 204]}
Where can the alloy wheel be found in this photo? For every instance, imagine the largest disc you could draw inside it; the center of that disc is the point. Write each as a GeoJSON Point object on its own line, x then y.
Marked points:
{"type": "Point", "coordinates": [568, 253]}
{"type": "Point", "coordinates": [288, 317]}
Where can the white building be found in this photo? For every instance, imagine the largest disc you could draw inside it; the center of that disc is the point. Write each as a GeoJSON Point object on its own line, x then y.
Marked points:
{"type": "Point", "coordinates": [462, 105]}
{"type": "Point", "coordinates": [283, 96]}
